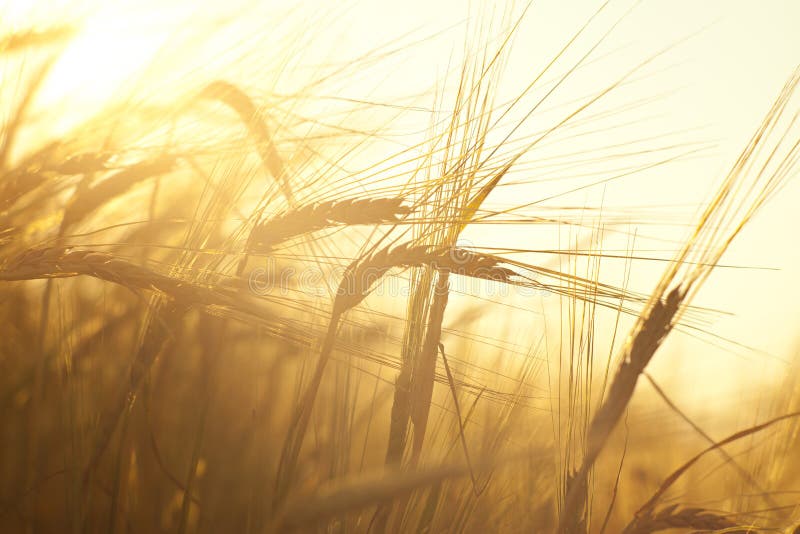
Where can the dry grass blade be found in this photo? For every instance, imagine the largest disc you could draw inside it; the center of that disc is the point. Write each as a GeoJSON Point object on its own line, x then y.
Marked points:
{"type": "Point", "coordinates": [674, 517]}
{"type": "Point", "coordinates": [460, 420]}
{"type": "Point", "coordinates": [727, 457]}
{"type": "Point", "coordinates": [343, 496]}
{"type": "Point", "coordinates": [670, 480]}
{"type": "Point", "coordinates": [362, 492]}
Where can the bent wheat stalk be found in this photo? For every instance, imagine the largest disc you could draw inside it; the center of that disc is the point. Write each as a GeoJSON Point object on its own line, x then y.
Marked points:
{"type": "Point", "coordinates": [88, 199]}
{"type": "Point", "coordinates": [318, 216]}
{"type": "Point", "coordinates": [53, 262]}
{"type": "Point", "coordinates": [359, 279]}
{"type": "Point", "coordinates": [243, 105]}
{"type": "Point", "coordinates": [18, 41]}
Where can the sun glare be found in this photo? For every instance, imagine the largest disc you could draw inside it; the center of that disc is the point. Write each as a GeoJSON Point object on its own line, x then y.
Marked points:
{"type": "Point", "coordinates": [111, 47]}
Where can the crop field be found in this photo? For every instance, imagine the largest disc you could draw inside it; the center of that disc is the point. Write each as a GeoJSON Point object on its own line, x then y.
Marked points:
{"type": "Point", "coordinates": [428, 267]}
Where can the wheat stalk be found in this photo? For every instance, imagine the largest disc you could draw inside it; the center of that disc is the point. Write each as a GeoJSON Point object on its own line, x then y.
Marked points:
{"type": "Point", "coordinates": [89, 198]}
{"type": "Point", "coordinates": [55, 262]}
{"type": "Point", "coordinates": [243, 105]}
{"type": "Point", "coordinates": [674, 517]}
{"type": "Point", "coordinates": [16, 42]}
{"type": "Point", "coordinates": [357, 282]}
{"type": "Point", "coordinates": [724, 211]}
{"type": "Point", "coordinates": [318, 216]}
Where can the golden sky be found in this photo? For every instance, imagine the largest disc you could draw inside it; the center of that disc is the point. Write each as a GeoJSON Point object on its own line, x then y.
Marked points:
{"type": "Point", "coordinates": [727, 62]}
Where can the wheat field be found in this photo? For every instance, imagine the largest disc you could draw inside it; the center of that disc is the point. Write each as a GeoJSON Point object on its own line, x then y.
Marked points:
{"type": "Point", "coordinates": [435, 267]}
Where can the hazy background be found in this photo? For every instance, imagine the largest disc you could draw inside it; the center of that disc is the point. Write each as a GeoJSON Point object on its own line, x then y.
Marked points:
{"type": "Point", "coordinates": [728, 61]}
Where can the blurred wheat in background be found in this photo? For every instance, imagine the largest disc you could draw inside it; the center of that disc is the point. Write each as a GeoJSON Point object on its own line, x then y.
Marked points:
{"type": "Point", "coordinates": [371, 267]}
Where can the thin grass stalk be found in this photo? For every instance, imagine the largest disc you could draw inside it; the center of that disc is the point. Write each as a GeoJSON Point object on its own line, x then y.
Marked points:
{"type": "Point", "coordinates": [302, 416]}
{"type": "Point", "coordinates": [648, 507]}
{"type": "Point", "coordinates": [243, 105]}
{"type": "Point", "coordinates": [645, 341]}
{"type": "Point", "coordinates": [214, 334]}
{"type": "Point", "coordinates": [674, 517]}
{"type": "Point", "coordinates": [424, 369]}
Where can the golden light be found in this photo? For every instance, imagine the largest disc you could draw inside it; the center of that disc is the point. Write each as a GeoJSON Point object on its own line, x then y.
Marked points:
{"type": "Point", "coordinates": [113, 45]}
{"type": "Point", "coordinates": [270, 266]}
